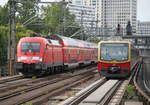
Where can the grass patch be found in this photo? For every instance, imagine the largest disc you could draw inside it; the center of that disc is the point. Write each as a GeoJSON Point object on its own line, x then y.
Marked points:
{"type": "Point", "coordinates": [34, 77]}
{"type": "Point", "coordinates": [27, 103]}
{"type": "Point", "coordinates": [130, 91]}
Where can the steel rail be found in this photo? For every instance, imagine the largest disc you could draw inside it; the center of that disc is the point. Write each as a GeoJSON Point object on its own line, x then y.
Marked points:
{"type": "Point", "coordinates": [106, 99]}
{"type": "Point", "coordinates": [46, 97]}
{"type": "Point", "coordinates": [145, 81]}
{"type": "Point", "coordinates": [118, 96]}
{"type": "Point", "coordinates": [138, 88]}
{"type": "Point", "coordinates": [10, 78]}
{"type": "Point", "coordinates": [117, 88]}
{"type": "Point", "coordinates": [30, 88]}
{"type": "Point", "coordinates": [84, 93]}
{"type": "Point", "coordinates": [7, 87]}
{"type": "Point", "coordinates": [40, 92]}
{"type": "Point", "coordinates": [38, 87]}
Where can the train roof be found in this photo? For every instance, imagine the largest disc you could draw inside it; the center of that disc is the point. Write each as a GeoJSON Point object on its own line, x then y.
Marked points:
{"type": "Point", "coordinates": [114, 42]}
{"type": "Point", "coordinates": [67, 41]}
{"type": "Point", "coordinates": [33, 38]}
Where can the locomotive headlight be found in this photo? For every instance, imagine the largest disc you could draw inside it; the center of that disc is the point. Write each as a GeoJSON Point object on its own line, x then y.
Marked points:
{"type": "Point", "coordinates": [21, 58]}
{"type": "Point", "coordinates": [37, 58]}
{"type": "Point", "coordinates": [40, 59]}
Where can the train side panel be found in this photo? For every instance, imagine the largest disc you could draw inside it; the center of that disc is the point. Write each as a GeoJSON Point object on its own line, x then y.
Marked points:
{"type": "Point", "coordinates": [57, 56]}
{"type": "Point", "coordinates": [54, 52]}
{"type": "Point", "coordinates": [71, 56]}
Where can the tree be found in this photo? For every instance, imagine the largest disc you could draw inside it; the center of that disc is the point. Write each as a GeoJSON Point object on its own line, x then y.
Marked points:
{"type": "Point", "coordinates": [58, 20]}
{"type": "Point", "coordinates": [22, 32]}
{"type": "Point", "coordinates": [4, 20]}
{"type": "Point", "coordinates": [94, 39]}
{"type": "Point", "coordinates": [4, 31]}
{"type": "Point", "coordinates": [4, 15]}
{"type": "Point", "coordinates": [3, 45]}
{"type": "Point", "coordinates": [26, 10]}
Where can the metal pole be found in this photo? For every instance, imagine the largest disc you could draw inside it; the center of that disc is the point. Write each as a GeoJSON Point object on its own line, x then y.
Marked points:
{"type": "Point", "coordinates": [82, 35]}
{"type": "Point", "coordinates": [64, 16]}
{"type": "Point", "coordinates": [12, 39]}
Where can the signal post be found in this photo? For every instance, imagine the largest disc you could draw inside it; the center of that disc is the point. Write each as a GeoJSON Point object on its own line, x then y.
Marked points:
{"type": "Point", "coordinates": [12, 38]}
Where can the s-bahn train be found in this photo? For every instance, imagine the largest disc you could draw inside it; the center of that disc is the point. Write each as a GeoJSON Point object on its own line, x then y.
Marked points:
{"type": "Point", "coordinates": [115, 58]}
{"type": "Point", "coordinates": [44, 55]}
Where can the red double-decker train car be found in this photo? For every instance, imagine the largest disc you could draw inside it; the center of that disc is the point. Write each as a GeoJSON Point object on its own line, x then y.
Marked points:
{"type": "Point", "coordinates": [44, 55]}
{"type": "Point", "coordinates": [115, 58]}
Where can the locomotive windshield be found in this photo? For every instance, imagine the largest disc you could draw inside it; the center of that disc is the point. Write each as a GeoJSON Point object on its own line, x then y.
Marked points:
{"type": "Point", "coordinates": [30, 47]}
{"type": "Point", "coordinates": [114, 51]}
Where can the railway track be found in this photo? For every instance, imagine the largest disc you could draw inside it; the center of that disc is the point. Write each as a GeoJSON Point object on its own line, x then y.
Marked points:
{"type": "Point", "coordinates": [10, 78]}
{"type": "Point", "coordinates": [13, 82]}
{"type": "Point", "coordinates": [39, 92]}
{"type": "Point", "coordinates": [33, 91]}
{"type": "Point", "coordinates": [102, 92]}
{"type": "Point", "coordinates": [92, 94]}
{"type": "Point", "coordinates": [71, 91]}
{"type": "Point", "coordinates": [142, 81]}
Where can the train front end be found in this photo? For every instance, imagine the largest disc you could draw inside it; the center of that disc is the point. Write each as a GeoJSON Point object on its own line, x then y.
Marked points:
{"type": "Point", "coordinates": [114, 58]}
{"type": "Point", "coordinates": [30, 56]}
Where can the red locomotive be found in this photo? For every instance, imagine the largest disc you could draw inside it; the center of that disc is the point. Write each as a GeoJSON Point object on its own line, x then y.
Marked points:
{"type": "Point", "coordinates": [44, 55]}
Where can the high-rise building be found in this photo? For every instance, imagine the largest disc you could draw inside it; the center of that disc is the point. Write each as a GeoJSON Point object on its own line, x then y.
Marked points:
{"type": "Point", "coordinates": [84, 12]}
{"type": "Point", "coordinates": [85, 15]}
{"type": "Point", "coordinates": [114, 12]}
{"type": "Point", "coordinates": [143, 28]}
{"type": "Point", "coordinates": [85, 2]}
{"type": "Point", "coordinates": [110, 13]}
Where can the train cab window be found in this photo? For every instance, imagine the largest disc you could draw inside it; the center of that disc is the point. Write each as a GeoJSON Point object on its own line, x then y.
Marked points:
{"type": "Point", "coordinates": [30, 47]}
{"type": "Point", "coordinates": [114, 51]}
{"type": "Point", "coordinates": [55, 42]}
{"type": "Point", "coordinates": [49, 41]}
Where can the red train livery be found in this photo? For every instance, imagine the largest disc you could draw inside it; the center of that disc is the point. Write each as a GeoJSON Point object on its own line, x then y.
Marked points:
{"type": "Point", "coordinates": [44, 55]}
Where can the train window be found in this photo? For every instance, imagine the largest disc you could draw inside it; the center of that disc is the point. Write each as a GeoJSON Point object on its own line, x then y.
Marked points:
{"type": "Point", "coordinates": [30, 47]}
{"type": "Point", "coordinates": [114, 51]}
{"type": "Point", "coordinates": [49, 41]}
{"type": "Point", "coordinates": [55, 42]}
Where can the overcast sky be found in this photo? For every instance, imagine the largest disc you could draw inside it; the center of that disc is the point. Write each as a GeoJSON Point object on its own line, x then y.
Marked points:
{"type": "Point", "coordinates": [143, 9]}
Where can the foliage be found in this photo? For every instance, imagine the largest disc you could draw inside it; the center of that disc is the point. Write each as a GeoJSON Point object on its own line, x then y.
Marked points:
{"type": "Point", "coordinates": [130, 90]}
{"type": "Point", "coordinates": [58, 20]}
{"type": "Point", "coordinates": [3, 44]}
{"type": "Point", "coordinates": [4, 32]}
{"type": "Point", "coordinates": [95, 39]}
{"type": "Point", "coordinates": [22, 32]}
{"type": "Point", "coordinates": [34, 77]}
{"type": "Point", "coordinates": [26, 10]}
{"type": "Point", "coordinates": [4, 16]}
{"type": "Point", "coordinates": [27, 103]}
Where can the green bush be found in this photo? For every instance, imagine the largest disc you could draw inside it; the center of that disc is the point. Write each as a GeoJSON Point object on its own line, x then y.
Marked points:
{"type": "Point", "coordinates": [130, 91]}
